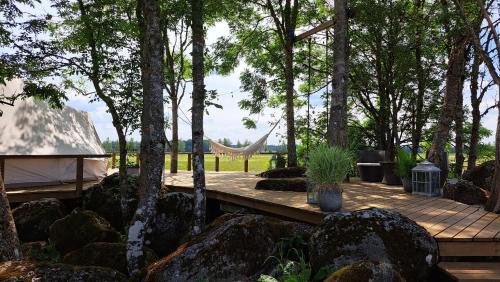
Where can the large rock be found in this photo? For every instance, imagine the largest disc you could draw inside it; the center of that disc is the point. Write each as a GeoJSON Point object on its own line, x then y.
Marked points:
{"type": "Point", "coordinates": [298, 184]}
{"type": "Point", "coordinates": [481, 175]}
{"type": "Point", "coordinates": [233, 248]}
{"type": "Point", "coordinates": [25, 271]}
{"type": "Point", "coordinates": [373, 234]}
{"type": "Point", "coordinates": [40, 251]}
{"type": "Point", "coordinates": [366, 271]}
{"type": "Point", "coordinates": [34, 218]}
{"type": "Point", "coordinates": [105, 199]}
{"type": "Point", "coordinates": [79, 228]}
{"type": "Point", "coordinates": [112, 255]}
{"type": "Point", "coordinates": [285, 172]}
{"type": "Point", "coordinates": [465, 192]}
{"type": "Point", "coordinates": [173, 221]}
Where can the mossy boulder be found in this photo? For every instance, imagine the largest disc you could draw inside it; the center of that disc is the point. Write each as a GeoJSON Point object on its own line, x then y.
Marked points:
{"type": "Point", "coordinates": [40, 251]}
{"type": "Point", "coordinates": [373, 234]}
{"type": "Point", "coordinates": [105, 199]}
{"type": "Point", "coordinates": [232, 248]}
{"type": "Point", "coordinates": [173, 221]}
{"type": "Point", "coordinates": [465, 192]}
{"type": "Point", "coordinates": [285, 172]}
{"type": "Point", "coordinates": [34, 218]}
{"type": "Point", "coordinates": [481, 175]}
{"type": "Point", "coordinates": [112, 255]}
{"type": "Point", "coordinates": [26, 271]}
{"type": "Point", "coordinates": [79, 228]}
{"type": "Point", "coordinates": [366, 271]}
{"type": "Point", "coordinates": [298, 184]}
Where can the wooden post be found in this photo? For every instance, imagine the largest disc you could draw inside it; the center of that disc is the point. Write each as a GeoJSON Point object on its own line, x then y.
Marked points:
{"type": "Point", "coordinates": [2, 168]}
{"type": "Point", "coordinates": [246, 165]}
{"type": "Point", "coordinates": [79, 176]}
{"type": "Point", "coordinates": [189, 162]}
{"type": "Point", "coordinates": [216, 163]}
{"type": "Point", "coordinates": [113, 160]}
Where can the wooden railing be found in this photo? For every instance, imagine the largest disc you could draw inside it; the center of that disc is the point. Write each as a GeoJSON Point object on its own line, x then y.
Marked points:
{"type": "Point", "coordinates": [79, 164]}
{"type": "Point", "coordinates": [189, 160]}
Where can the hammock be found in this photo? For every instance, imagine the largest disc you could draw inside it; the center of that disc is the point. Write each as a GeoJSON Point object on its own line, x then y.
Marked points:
{"type": "Point", "coordinates": [246, 153]}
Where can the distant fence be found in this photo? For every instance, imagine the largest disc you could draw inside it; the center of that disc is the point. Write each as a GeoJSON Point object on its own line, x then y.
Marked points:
{"type": "Point", "coordinates": [189, 166]}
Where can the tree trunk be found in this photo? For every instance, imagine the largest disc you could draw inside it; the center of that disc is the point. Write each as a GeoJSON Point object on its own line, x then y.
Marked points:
{"type": "Point", "coordinates": [337, 130]}
{"type": "Point", "coordinates": [123, 179]}
{"type": "Point", "coordinates": [10, 248]}
{"type": "Point", "coordinates": [476, 113]}
{"type": "Point", "coordinates": [419, 103]}
{"type": "Point", "coordinates": [493, 203]}
{"type": "Point", "coordinates": [459, 133]}
{"type": "Point", "coordinates": [454, 77]}
{"type": "Point", "coordinates": [290, 109]}
{"type": "Point", "coordinates": [198, 36]}
{"type": "Point", "coordinates": [152, 136]}
{"type": "Point", "coordinates": [174, 149]}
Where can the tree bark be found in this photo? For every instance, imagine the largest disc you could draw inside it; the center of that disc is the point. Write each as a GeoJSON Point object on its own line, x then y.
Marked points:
{"type": "Point", "coordinates": [459, 133]}
{"type": "Point", "coordinates": [454, 78]}
{"type": "Point", "coordinates": [10, 248]}
{"type": "Point", "coordinates": [337, 130]}
{"type": "Point", "coordinates": [123, 179]}
{"type": "Point", "coordinates": [476, 114]}
{"type": "Point", "coordinates": [290, 108]}
{"type": "Point", "coordinates": [419, 103]}
{"type": "Point", "coordinates": [153, 134]}
{"type": "Point", "coordinates": [493, 203]}
{"type": "Point", "coordinates": [198, 36]}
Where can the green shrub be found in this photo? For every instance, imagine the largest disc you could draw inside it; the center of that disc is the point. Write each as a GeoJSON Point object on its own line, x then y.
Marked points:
{"type": "Point", "coordinates": [280, 160]}
{"type": "Point", "coordinates": [328, 165]}
{"type": "Point", "coordinates": [404, 163]}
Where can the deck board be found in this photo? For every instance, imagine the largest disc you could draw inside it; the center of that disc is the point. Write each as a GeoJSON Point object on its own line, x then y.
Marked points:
{"type": "Point", "coordinates": [460, 229]}
{"type": "Point", "coordinates": [472, 271]}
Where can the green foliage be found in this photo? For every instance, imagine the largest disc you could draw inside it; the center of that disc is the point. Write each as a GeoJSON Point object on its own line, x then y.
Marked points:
{"type": "Point", "coordinates": [328, 165]}
{"type": "Point", "coordinates": [46, 254]}
{"type": "Point", "coordinates": [280, 160]}
{"type": "Point", "coordinates": [292, 265]}
{"type": "Point", "coordinates": [404, 163]}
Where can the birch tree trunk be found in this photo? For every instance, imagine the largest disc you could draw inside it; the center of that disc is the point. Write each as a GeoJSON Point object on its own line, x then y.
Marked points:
{"type": "Point", "coordinates": [337, 130]}
{"type": "Point", "coordinates": [152, 136]}
{"type": "Point", "coordinates": [10, 248]}
{"type": "Point", "coordinates": [197, 116]}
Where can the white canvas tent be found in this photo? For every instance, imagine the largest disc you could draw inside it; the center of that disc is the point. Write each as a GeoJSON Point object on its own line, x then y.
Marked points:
{"type": "Point", "coordinates": [32, 128]}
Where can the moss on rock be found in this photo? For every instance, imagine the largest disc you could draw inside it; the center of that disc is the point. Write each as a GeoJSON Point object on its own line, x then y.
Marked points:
{"type": "Point", "coordinates": [34, 218]}
{"type": "Point", "coordinates": [112, 255]}
{"type": "Point", "coordinates": [366, 271]}
{"type": "Point", "coordinates": [297, 184]}
{"type": "Point", "coordinates": [285, 172]}
{"type": "Point", "coordinates": [232, 248]}
{"type": "Point", "coordinates": [373, 234]}
{"type": "Point", "coordinates": [79, 228]}
{"type": "Point", "coordinates": [25, 271]}
{"type": "Point", "coordinates": [40, 251]}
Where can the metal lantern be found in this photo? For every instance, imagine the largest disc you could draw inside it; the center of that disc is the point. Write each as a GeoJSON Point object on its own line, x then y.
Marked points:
{"type": "Point", "coordinates": [426, 179]}
{"type": "Point", "coordinates": [312, 193]}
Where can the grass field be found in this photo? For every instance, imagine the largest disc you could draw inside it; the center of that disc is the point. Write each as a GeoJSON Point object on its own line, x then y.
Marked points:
{"type": "Point", "coordinates": [257, 163]}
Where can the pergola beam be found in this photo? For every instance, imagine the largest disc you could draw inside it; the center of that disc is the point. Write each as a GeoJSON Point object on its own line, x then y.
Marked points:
{"type": "Point", "coordinates": [319, 28]}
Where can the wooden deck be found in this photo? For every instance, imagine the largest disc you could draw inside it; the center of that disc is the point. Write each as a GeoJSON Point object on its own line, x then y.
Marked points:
{"type": "Point", "coordinates": [472, 272]}
{"type": "Point", "coordinates": [61, 191]}
{"type": "Point", "coordinates": [461, 230]}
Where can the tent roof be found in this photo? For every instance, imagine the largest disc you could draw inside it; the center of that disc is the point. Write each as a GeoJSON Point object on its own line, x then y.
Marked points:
{"type": "Point", "coordinates": [31, 127]}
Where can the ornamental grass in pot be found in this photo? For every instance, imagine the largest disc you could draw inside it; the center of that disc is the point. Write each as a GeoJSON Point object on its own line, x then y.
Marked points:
{"type": "Point", "coordinates": [404, 164]}
{"type": "Point", "coordinates": [327, 168]}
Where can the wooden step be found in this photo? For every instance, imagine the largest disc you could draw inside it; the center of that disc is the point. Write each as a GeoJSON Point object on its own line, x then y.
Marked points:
{"type": "Point", "coordinates": [472, 271]}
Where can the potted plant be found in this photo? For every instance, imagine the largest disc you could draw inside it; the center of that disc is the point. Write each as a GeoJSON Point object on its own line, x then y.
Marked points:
{"type": "Point", "coordinates": [327, 169]}
{"type": "Point", "coordinates": [404, 164]}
